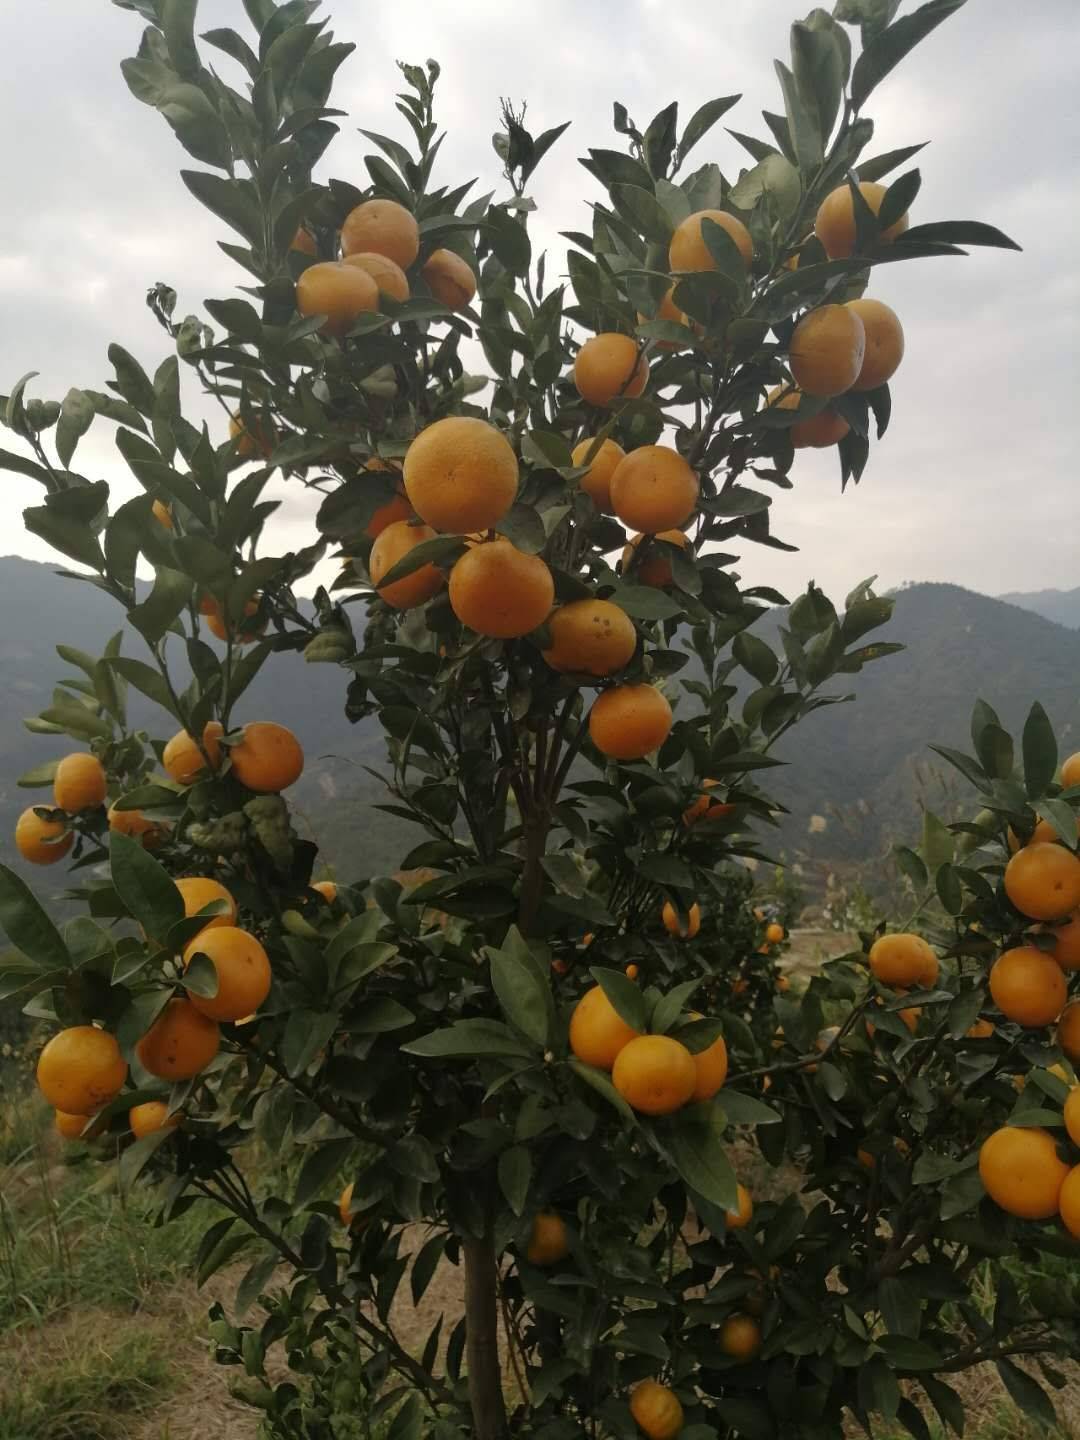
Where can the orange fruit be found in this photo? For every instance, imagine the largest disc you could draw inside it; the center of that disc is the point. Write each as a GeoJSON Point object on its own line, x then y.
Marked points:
{"type": "Point", "coordinates": [740, 1337]}
{"type": "Point", "coordinates": [1021, 1171]}
{"type": "Point", "coordinates": [654, 1074]}
{"type": "Point", "coordinates": [349, 1216]}
{"type": "Point", "coordinates": [385, 227]}
{"type": "Point", "coordinates": [135, 824]}
{"type": "Point", "coordinates": [597, 1031]}
{"type": "Point", "coordinates": [243, 972]}
{"type": "Point", "coordinates": [743, 1212]}
{"type": "Point", "coordinates": [688, 250]}
{"type": "Point", "coordinates": [81, 1069]}
{"type": "Point", "coordinates": [304, 242]}
{"type": "Point", "coordinates": [632, 972]}
{"type": "Point", "coordinates": [42, 842]}
{"type": "Point", "coordinates": [610, 367]}
{"type": "Point", "coordinates": [596, 482]}
{"type": "Point", "coordinates": [654, 566]}
{"type": "Point", "coordinates": [1043, 881]}
{"type": "Point", "coordinates": [184, 762]}
{"type": "Point", "coordinates": [162, 514]}
{"type": "Point", "coordinates": [394, 510]}
{"type": "Point", "coordinates": [628, 722]}
{"type": "Point", "coordinates": [774, 933]}
{"type": "Point", "coordinates": [1072, 1114]}
{"type": "Point", "coordinates": [1069, 1202]}
{"type": "Point", "coordinates": [711, 1067]}
{"type": "Point", "coordinates": [1068, 1032]}
{"type": "Point", "coordinates": [824, 428]}
{"type": "Point", "coordinates": [243, 633]}
{"type": "Point", "coordinates": [392, 545]}
{"type": "Point", "coordinates": [705, 807]}
{"type": "Point", "coordinates": [903, 960]}
{"type": "Point", "coordinates": [674, 925]}
{"type": "Point", "coordinates": [389, 277]}
{"type": "Point", "coordinates": [498, 590]}
{"type": "Point", "coordinates": [981, 1030]}
{"type": "Point", "coordinates": [267, 758]}
{"type": "Point", "coordinates": [76, 1127]}
{"type": "Point", "coordinates": [151, 1116]}
{"type": "Point", "coordinates": [884, 343]}
{"type": "Point", "coordinates": [1044, 833]}
{"type": "Point", "coordinates": [1028, 986]}
{"type": "Point", "coordinates": [461, 474]}
{"type": "Point", "coordinates": [259, 440]}
{"type": "Point", "coordinates": [656, 1410]}
{"type": "Point", "coordinates": [180, 1043]}
{"type": "Point", "coordinates": [835, 222]}
{"type": "Point", "coordinates": [653, 488]}
{"type": "Point", "coordinates": [198, 891]}
{"type": "Point", "coordinates": [327, 889]}
{"type": "Point", "coordinates": [827, 350]}
{"type": "Point", "coordinates": [590, 637]}
{"type": "Point", "coordinates": [548, 1242]}
{"type": "Point", "coordinates": [449, 278]}
{"type": "Point", "coordinates": [1070, 771]}
{"type": "Point", "coordinates": [338, 291]}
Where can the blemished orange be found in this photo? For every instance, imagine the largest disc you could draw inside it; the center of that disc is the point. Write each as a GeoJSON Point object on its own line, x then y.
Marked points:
{"type": "Point", "coordinates": [818, 431]}
{"type": "Point", "coordinates": [705, 808]}
{"type": "Point", "coordinates": [338, 291]}
{"type": "Point", "coordinates": [1068, 1032]}
{"type": "Point", "coordinates": [327, 889]}
{"type": "Point", "coordinates": [835, 222]}
{"type": "Point", "coordinates": [392, 545]}
{"type": "Point", "coordinates": [710, 1066]}
{"type": "Point", "coordinates": [162, 514]}
{"type": "Point", "coordinates": [1071, 1114]}
{"type": "Point", "coordinates": [688, 250]}
{"type": "Point", "coordinates": [1070, 771]}
{"type": "Point", "coordinates": [243, 972]}
{"type": "Point", "coordinates": [740, 1337]}
{"type": "Point", "coordinates": [598, 1033]}
{"type": "Point", "coordinates": [76, 1127]}
{"type": "Point", "coordinates": [135, 824]}
{"type": "Point", "coordinates": [827, 350]}
{"type": "Point", "coordinates": [391, 512]}
{"type": "Point", "coordinates": [596, 482]}
{"type": "Point", "coordinates": [1028, 986]}
{"type": "Point", "coordinates": [884, 343]}
{"type": "Point", "coordinates": [180, 1043]}
{"type": "Point", "coordinates": [81, 1069]}
{"type": "Point", "coordinates": [449, 278]}
{"type": "Point", "coordinates": [198, 891]}
{"type": "Point", "coordinates": [1043, 881]}
{"type": "Point", "coordinates": [774, 933]}
{"type": "Point", "coordinates": [590, 637]}
{"type": "Point", "coordinates": [675, 925]}
{"type": "Point", "coordinates": [461, 474]}
{"type": "Point", "coordinates": [654, 566]}
{"type": "Point", "coordinates": [610, 367]}
{"type": "Point", "coordinates": [548, 1241]}
{"type": "Point", "coordinates": [654, 1074]}
{"type": "Point", "coordinates": [1069, 1202]}
{"type": "Point", "coordinates": [150, 1117]}
{"type": "Point", "coordinates": [385, 227]}
{"type": "Point", "coordinates": [656, 1410]}
{"type": "Point", "coordinates": [1022, 1172]}
{"type": "Point", "coordinates": [653, 488]}
{"type": "Point", "coordinates": [903, 960]}
{"type": "Point", "coordinates": [629, 722]}
{"type": "Point", "coordinates": [499, 591]}
{"type": "Point", "coordinates": [389, 277]}
{"type": "Point", "coordinates": [258, 440]}
{"type": "Point", "coordinates": [42, 842]}
{"type": "Point", "coordinates": [743, 1213]}
{"type": "Point", "coordinates": [267, 758]}
{"type": "Point", "coordinates": [184, 762]}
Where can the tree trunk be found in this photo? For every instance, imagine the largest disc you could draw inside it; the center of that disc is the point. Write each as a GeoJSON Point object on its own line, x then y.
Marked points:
{"type": "Point", "coordinates": [482, 1339]}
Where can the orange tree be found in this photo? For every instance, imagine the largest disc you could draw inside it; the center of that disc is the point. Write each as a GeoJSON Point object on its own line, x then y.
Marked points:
{"type": "Point", "coordinates": [537, 550]}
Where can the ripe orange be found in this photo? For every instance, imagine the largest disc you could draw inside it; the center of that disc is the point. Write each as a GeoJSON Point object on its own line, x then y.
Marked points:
{"type": "Point", "coordinates": [711, 1068]}
{"type": "Point", "coordinates": [609, 367]}
{"type": "Point", "coordinates": [884, 343]}
{"type": "Point", "coordinates": [1072, 1114]}
{"type": "Point", "coordinates": [461, 474]}
{"type": "Point", "coordinates": [835, 222]}
{"type": "Point", "coordinates": [654, 1074]}
{"type": "Point", "coordinates": [774, 933]}
{"type": "Point", "coordinates": [1020, 1168]}
{"type": "Point", "coordinates": [394, 510]}
{"type": "Point", "coordinates": [827, 350]}
{"type": "Point", "coordinates": [259, 440]}
{"type": "Point", "coordinates": [135, 824]}
{"type": "Point", "coordinates": [392, 545]}
{"type": "Point", "coordinates": [162, 514]}
{"type": "Point", "coordinates": [597, 1031]}
{"type": "Point", "coordinates": [243, 632]}
{"type": "Point", "coordinates": [1070, 771]}
{"type": "Point", "coordinates": [981, 1030]}
{"type": "Point", "coordinates": [688, 250]}
{"type": "Point", "coordinates": [42, 842]}
{"type": "Point", "coordinates": [548, 1242]}
{"type": "Point", "coordinates": [1044, 833]}
{"type": "Point", "coordinates": [148, 1118]}
{"type": "Point", "coordinates": [1043, 881]}
{"type": "Point", "coordinates": [267, 758]}
{"type": "Point", "coordinates": [1068, 1032]}
{"type": "Point", "coordinates": [340, 292]}
{"type": "Point", "coordinates": [198, 891]}
{"type": "Point", "coordinates": [628, 722]}
{"type": "Point", "coordinates": [385, 227]}
{"type": "Point", "coordinates": [349, 1216]}
{"type": "Point", "coordinates": [824, 428]}
{"type": "Point", "coordinates": [1069, 1202]}
{"type": "Point", "coordinates": [498, 590]}
{"type": "Point", "coordinates": [740, 1337]}
{"type": "Point", "coordinates": [654, 566]}
{"type": "Point", "coordinates": [327, 889]}
{"type": "Point", "coordinates": [596, 482]}
{"type": "Point", "coordinates": [243, 972]}
{"type": "Point", "coordinates": [180, 1043]}
{"type": "Point", "coordinates": [656, 1409]}
{"type": "Point", "coordinates": [389, 277]}
{"type": "Point", "coordinates": [450, 279]}
{"type": "Point", "coordinates": [743, 1213]}
{"type": "Point", "coordinates": [590, 637]}
{"type": "Point", "coordinates": [81, 1069]}
{"type": "Point", "coordinates": [653, 488]}
{"type": "Point", "coordinates": [903, 960]}
{"type": "Point", "coordinates": [1028, 986]}
{"type": "Point", "coordinates": [76, 1127]}
{"type": "Point", "coordinates": [705, 807]}
{"type": "Point", "coordinates": [632, 972]}
{"type": "Point", "coordinates": [675, 926]}
{"type": "Point", "coordinates": [184, 761]}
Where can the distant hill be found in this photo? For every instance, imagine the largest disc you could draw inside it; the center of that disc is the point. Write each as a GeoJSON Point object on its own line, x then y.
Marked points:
{"type": "Point", "coordinates": [1061, 606]}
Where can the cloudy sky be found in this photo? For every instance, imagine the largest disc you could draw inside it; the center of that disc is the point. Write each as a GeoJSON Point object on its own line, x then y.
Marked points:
{"type": "Point", "coordinates": [976, 481]}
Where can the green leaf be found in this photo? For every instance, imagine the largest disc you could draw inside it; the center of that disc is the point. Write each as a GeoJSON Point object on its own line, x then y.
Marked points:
{"type": "Point", "coordinates": [171, 593]}
{"type": "Point", "coordinates": [135, 1158]}
{"type": "Point", "coordinates": [1027, 1393]}
{"type": "Point", "coordinates": [995, 751]}
{"type": "Point", "coordinates": [306, 1033]}
{"type": "Point", "coordinates": [440, 550]}
{"type": "Point", "coordinates": [695, 1144]}
{"type": "Point", "coordinates": [523, 991]}
{"type": "Point", "coordinates": [27, 926]}
{"type": "Point", "coordinates": [774, 175]}
{"type": "Point", "coordinates": [879, 165]}
{"type": "Point", "coordinates": [147, 680]}
{"type": "Point", "coordinates": [957, 232]}
{"type": "Point", "coordinates": [817, 61]}
{"type": "Point", "coordinates": [79, 721]}
{"type": "Point", "coordinates": [755, 657]}
{"type": "Point", "coordinates": [76, 417]}
{"type": "Point", "coordinates": [599, 1081]}
{"type": "Point", "coordinates": [702, 121]}
{"type": "Point", "coordinates": [466, 1039]}
{"type": "Point", "coordinates": [178, 25]}
{"type": "Point", "coordinates": [1061, 816]}
{"type": "Point", "coordinates": [742, 1109]}
{"type": "Point", "coordinates": [886, 49]}
{"type": "Point", "coordinates": [644, 211]}
{"type": "Point", "coordinates": [524, 527]}
{"type": "Point", "coordinates": [625, 995]}
{"type": "Point", "coordinates": [901, 1305]}
{"type": "Point", "coordinates": [145, 887]}
{"type": "Point", "coordinates": [200, 976]}
{"type": "Point", "coordinates": [645, 602]}
{"type": "Point", "coordinates": [670, 1006]}
{"type": "Point", "coordinates": [509, 240]}
{"type": "Point", "coordinates": [515, 1176]}
{"type": "Point", "coordinates": [1040, 754]}
{"type": "Point", "coordinates": [65, 533]}
{"type": "Point", "coordinates": [950, 890]}
{"type": "Point", "coordinates": [39, 776]}
{"type": "Point", "coordinates": [802, 123]}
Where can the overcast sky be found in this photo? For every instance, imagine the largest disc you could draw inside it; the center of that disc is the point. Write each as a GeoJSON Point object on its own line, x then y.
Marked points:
{"type": "Point", "coordinates": [976, 482]}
